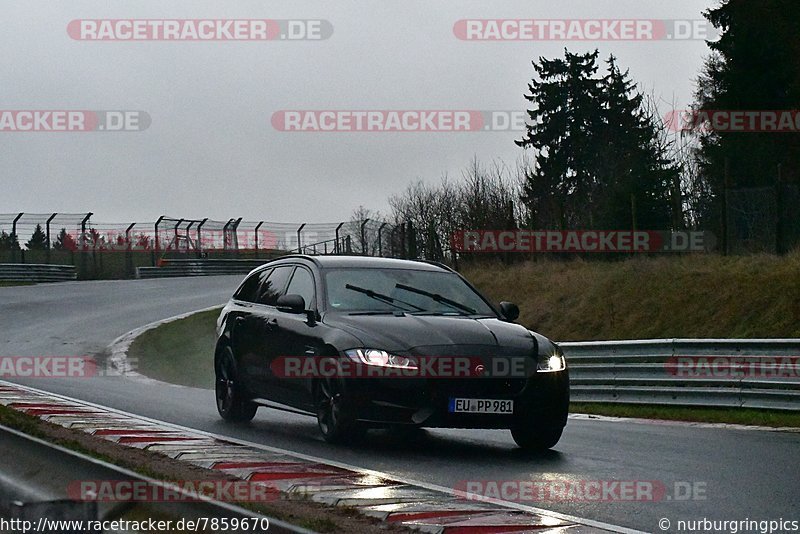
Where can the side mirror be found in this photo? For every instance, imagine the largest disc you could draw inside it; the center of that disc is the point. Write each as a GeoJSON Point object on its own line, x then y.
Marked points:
{"type": "Point", "coordinates": [509, 310]}
{"type": "Point", "coordinates": [291, 304]}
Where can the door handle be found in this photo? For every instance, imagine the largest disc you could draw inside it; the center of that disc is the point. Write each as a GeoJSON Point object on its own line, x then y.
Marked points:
{"type": "Point", "coordinates": [272, 324]}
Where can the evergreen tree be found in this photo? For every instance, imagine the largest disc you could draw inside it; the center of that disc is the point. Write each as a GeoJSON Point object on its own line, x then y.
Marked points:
{"type": "Point", "coordinates": [598, 149]}
{"type": "Point", "coordinates": [563, 131]}
{"type": "Point", "coordinates": [753, 66]}
{"type": "Point", "coordinates": [38, 240]}
{"type": "Point", "coordinates": [64, 241]}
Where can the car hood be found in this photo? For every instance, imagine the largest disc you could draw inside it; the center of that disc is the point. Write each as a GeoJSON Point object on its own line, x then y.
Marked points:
{"type": "Point", "coordinates": [411, 333]}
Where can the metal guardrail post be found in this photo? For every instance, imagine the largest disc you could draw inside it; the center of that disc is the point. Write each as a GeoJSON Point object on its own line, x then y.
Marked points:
{"type": "Point", "coordinates": [48, 246]}
{"type": "Point", "coordinates": [299, 242]}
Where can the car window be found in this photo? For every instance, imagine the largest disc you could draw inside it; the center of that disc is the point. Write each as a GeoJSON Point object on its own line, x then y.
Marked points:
{"type": "Point", "coordinates": [402, 289]}
{"type": "Point", "coordinates": [302, 284]}
{"type": "Point", "coordinates": [249, 288]}
{"type": "Point", "coordinates": [273, 287]}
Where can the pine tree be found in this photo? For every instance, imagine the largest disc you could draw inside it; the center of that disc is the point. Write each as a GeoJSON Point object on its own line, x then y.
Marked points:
{"type": "Point", "coordinates": [38, 240]}
{"type": "Point", "coordinates": [64, 241]}
{"type": "Point", "coordinates": [753, 66]}
{"type": "Point", "coordinates": [562, 130]}
{"type": "Point", "coordinates": [597, 149]}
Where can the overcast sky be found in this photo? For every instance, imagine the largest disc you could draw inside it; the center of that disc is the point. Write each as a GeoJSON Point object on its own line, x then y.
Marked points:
{"type": "Point", "coordinates": [211, 150]}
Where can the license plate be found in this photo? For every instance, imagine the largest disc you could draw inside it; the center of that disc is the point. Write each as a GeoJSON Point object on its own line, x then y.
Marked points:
{"type": "Point", "coordinates": [481, 406]}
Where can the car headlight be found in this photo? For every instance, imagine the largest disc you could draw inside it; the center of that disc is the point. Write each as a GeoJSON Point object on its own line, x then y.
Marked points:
{"type": "Point", "coordinates": [380, 358]}
{"type": "Point", "coordinates": [551, 362]}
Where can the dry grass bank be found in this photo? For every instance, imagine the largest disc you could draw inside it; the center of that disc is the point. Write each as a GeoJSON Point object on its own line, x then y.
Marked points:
{"type": "Point", "coordinates": [690, 296]}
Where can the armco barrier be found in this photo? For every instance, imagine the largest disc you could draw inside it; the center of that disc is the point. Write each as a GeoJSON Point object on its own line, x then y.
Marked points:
{"type": "Point", "coordinates": [757, 373]}
{"type": "Point", "coordinates": [32, 272]}
{"type": "Point", "coordinates": [206, 267]}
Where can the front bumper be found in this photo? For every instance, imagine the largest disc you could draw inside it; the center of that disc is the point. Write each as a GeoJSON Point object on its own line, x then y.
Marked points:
{"type": "Point", "coordinates": [425, 402]}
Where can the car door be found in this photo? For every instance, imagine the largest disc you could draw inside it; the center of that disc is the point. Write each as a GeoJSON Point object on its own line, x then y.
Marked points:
{"type": "Point", "coordinates": [263, 331]}
{"type": "Point", "coordinates": [298, 338]}
{"type": "Point", "coordinates": [244, 339]}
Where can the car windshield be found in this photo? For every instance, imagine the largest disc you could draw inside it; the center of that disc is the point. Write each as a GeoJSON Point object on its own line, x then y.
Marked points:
{"type": "Point", "coordinates": [402, 290]}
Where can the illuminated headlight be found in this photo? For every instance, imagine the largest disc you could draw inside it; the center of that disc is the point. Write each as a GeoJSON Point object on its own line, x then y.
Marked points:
{"type": "Point", "coordinates": [550, 363]}
{"type": "Point", "coordinates": [380, 358]}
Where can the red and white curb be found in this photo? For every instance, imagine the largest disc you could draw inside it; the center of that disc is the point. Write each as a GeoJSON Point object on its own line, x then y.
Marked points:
{"type": "Point", "coordinates": [420, 506]}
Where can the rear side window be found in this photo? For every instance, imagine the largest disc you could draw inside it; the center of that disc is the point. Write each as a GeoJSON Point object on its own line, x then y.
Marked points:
{"type": "Point", "coordinates": [302, 284]}
{"type": "Point", "coordinates": [248, 291]}
{"type": "Point", "coordinates": [274, 286]}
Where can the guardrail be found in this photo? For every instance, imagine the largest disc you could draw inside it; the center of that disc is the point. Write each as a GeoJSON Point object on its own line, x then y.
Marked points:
{"type": "Point", "coordinates": [207, 267]}
{"type": "Point", "coordinates": [33, 272]}
{"type": "Point", "coordinates": [758, 373]}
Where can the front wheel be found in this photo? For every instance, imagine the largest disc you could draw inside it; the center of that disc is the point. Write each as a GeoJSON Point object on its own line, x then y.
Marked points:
{"type": "Point", "coordinates": [536, 438]}
{"type": "Point", "coordinates": [232, 404]}
{"type": "Point", "coordinates": [335, 424]}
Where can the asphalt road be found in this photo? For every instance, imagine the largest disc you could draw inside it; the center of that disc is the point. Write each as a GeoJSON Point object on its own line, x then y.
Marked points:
{"type": "Point", "coordinates": [736, 474]}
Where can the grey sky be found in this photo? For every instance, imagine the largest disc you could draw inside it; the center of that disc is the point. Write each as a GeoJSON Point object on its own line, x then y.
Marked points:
{"type": "Point", "coordinates": [211, 150]}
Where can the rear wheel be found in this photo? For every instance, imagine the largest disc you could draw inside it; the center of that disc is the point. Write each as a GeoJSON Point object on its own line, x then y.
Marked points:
{"type": "Point", "coordinates": [232, 404]}
{"type": "Point", "coordinates": [335, 423]}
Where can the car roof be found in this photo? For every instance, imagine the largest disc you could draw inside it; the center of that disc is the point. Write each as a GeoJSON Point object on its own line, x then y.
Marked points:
{"type": "Point", "coordinates": [361, 262]}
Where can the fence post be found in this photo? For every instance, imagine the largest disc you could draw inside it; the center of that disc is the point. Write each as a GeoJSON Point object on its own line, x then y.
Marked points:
{"type": "Point", "coordinates": [83, 242]}
{"type": "Point", "coordinates": [364, 238]}
{"type": "Point", "coordinates": [336, 249]}
{"type": "Point", "coordinates": [236, 236]}
{"type": "Point", "coordinates": [199, 246]}
{"type": "Point", "coordinates": [156, 250]}
{"type": "Point", "coordinates": [380, 239]}
{"type": "Point", "coordinates": [47, 229]}
{"type": "Point", "coordinates": [258, 226]}
{"type": "Point", "coordinates": [412, 241]}
{"type": "Point", "coordinates": [129, 250]}
{"type": "Point", "coordinates": [299, 244]}
{"type": "Point", "coordinates": [14, 238]}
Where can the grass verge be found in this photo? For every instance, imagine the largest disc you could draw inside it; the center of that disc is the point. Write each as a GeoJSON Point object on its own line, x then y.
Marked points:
{"type": "Point", "coordinates": [180, 352]}
{"type": "Point", "coordinates": [740, 416]}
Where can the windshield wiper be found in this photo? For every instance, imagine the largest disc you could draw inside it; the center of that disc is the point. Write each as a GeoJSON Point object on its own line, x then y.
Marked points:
{"type": "Point", "coordinates": [438, 298]}
{"type": "Point", "coordinates": [384, 298]}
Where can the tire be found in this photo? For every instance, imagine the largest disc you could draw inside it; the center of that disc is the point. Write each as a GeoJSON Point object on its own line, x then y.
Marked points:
{"type": "Point", "coordinates": [335, 424]}
{"type": "Point", "coordinates": [536, 438]}
{"type": "Point", "coordinates": [232, 404]}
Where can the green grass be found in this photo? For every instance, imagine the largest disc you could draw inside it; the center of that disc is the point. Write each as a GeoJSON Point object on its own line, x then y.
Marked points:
{"type": "Point", "coordinates": [702, 296]}
{"type": "Point", "coordinates": [180, 352]}
{"type": "Point", "coordinates": [742, 416]}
